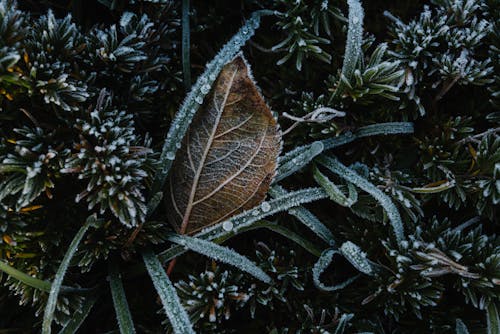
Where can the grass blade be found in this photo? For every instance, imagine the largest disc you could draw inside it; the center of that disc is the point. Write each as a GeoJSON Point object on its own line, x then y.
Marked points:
{"type": "Point", "coordinates": [356, 257]}
{"type": "Point", "coordinates": [320, 266]}
{"type": "Point", "coordinates": [492, 319]}
{"type": "Point", "coordinates": [222, 254]}
{"type": "Point", "coordinates": [299, 157]}
{"type": "Point", "coordinates": [122, 310]}
{"type": "Point", "coordinates": [250, 217]}
{"type": "Point", "coordinates": [392, 212]}
{"type": "Point", "coordinates": [353, 44]}
{"type": "Point", "coordinates": [390, 128]}
{"type": "Point", "coordinates": [25, 278]}
{"type": "Point", "coordinates": [169, 298]}
{"type": "Point", "coordinates": [38, 283]}
{"type": "Point", "coordinates": [460, 327]}
{"type": "Point", "coordinates": [48, 315]}
{"type": "Point", "coordinates": [306, 217]}
{"type": "Point", "coordinates": [186, 63]}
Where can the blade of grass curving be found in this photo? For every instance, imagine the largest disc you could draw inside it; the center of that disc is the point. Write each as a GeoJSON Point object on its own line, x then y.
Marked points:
{"type": "Point", "coordinates": [186, 63]}
{"type": "Point", "coordinates": [460, 327]}
{"type": "Point", "coordinates": [220, 253]}
{"type": "Point", "coordinates": [169, 298]}
{"type": "Point", "coordinates": [319, 267]}
{"type": "Point", "coordinates": [353, 44]}
{"type": "Point", "coordinates": [299, 157]}
{"type": "Point", "coordinates": [123, 315]}
{"type": "Point", "coordinates": [306, 217]}
{"type": "Point", "coordinates": [492, 318]}
{"type": "Point", "coordinates": [348, 174]}
{"type": "Point", "coordinates": [195, 98]}
{"type": "Point", "coordinates": [48, 315]}
{"type": "Point", "coordinates": [79, 317]}
{"type": "Point", "coordinates": [250, 217]}
{"type": "Point", "coordinates": [356, 257]}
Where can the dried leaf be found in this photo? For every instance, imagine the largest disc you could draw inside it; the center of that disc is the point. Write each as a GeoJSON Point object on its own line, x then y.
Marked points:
{"type": "Point", "coordinates": [228, 157]}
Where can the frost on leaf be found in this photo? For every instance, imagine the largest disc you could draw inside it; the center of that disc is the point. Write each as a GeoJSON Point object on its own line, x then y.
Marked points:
{"type": "Point", "coordinates": [228, 157]}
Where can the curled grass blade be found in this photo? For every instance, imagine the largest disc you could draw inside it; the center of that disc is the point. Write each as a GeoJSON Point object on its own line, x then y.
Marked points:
{"type": "Point", "coordinates": [350, 175]}
{"type": "Point", "coordinates": [320, 266]}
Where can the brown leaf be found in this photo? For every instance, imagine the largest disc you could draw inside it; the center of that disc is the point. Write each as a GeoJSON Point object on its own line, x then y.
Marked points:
{"type": "Point", "coordinates": [228, 157]}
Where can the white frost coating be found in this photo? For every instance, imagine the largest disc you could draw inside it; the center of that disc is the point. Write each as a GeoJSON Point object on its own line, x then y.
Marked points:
{"type": "Point", "coordinates": [247, 218]}
{"type": "Point", "coordinates": [306, 217]}
{"type": "Point", "coordinates": [198, 92]}
{"type": "Point", "coordinates": [392, 212]}
{"type": "Point", "coordinates": [334, 192]}
{"type": "Point", "coordinates": [296, 159]}
{"type": "Point", "coordinates": [356, 257]}
{"type": "Point", "coordinates": [323, 262]}
{"type": "Point", "coordinates": [353, 43]}
{"type": "Point", "coordinates": [171, 303]}
{"type": "Point", "coordinates": [221, 253]}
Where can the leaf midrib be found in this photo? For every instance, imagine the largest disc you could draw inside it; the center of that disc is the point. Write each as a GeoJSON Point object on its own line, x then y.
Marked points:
{"type": "Point", "coordinates": [194, 187]}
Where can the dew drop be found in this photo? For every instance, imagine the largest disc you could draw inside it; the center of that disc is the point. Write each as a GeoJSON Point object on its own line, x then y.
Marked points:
{"type": "Point", "coordinates": [265, 207]}
{"type": "Point", "coordinates": [355, 20]}
{"type": "Point", "coordinates": [199, 99]}
{"type": "Point", "coordinates": [170, 155]}
{"type": "Point", "coordinates": [227, 225]}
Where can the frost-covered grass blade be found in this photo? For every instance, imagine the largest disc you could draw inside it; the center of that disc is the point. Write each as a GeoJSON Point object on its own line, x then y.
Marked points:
{"type": "Point", "coordinates": [306, 217]}
{"type": "Point", "coordinates": [232, 226]}
{"type": "Point", "coordinates": [170, 300]}
{"type": "Point", "coordinates": [353, 43]}
{"type": "Point", "coordinates": [123, 314]}
{"type": "Point", "coordinates": [48, 315]}
{"type": "Point", "coordinates": [356, 257]}
{"type": "Point", "coordinates": [348, 174]}
{"type": "Point", "coordinates": [301, 156]}
{"type": "Point", "coordinates": [320, 266]}
{"type": "Point", "coordinates": [220, 253]}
